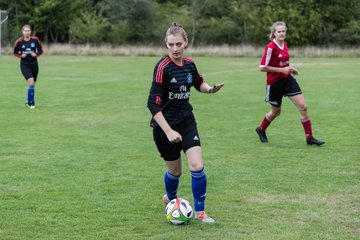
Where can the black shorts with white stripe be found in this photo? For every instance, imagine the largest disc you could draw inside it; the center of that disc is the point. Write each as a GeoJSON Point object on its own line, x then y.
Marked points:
{"type": "Point", "coordinates": [284, 87]}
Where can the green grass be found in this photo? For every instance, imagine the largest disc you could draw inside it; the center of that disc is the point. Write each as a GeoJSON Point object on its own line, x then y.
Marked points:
{"type": "Point", "coordinates": [83, 164]}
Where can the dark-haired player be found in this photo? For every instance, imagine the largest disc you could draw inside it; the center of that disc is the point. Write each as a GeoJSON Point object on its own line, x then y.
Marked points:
{"type": "Point", "coordinates": [28, 48]}
{"type": "Point", "coordinates": [174, 126]}
{"type": "Point", "coordinates": [281, 82]}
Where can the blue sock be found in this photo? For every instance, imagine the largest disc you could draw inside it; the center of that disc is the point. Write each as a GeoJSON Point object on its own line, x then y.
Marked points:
{"type": "Point", "coordinates": [31, 95]}
{"type": "Point", "coordinates": [171, 185]}
{"type": "Point", "coordinates": [199, 189]}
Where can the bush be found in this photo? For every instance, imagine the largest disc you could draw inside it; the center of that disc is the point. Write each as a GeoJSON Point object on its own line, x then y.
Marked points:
{"type": "Point", "coordinates": [119, 33]}
{"type": "Point", "coordinates": [89, 28]}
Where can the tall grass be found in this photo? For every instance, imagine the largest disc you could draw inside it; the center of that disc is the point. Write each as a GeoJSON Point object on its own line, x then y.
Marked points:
{"type": "Point", "coordinates": [220, 50]}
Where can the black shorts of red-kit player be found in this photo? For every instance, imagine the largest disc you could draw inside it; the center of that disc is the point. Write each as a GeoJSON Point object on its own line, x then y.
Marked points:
{"type": "Point", "coordinates": [284, 87]}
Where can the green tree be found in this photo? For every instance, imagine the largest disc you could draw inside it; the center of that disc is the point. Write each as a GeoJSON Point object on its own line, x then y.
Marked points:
{"type": "Point", "coordinates": [89, 28]}
{"type": "Point", "coordinates": [50, 19]}
{"type": "Point", "coordinates": [310, 22]}
{"type": "Point", "coordinates": [53, 17]}
{"type": "Point", "coordinates": [119, 33]}
{"type": "Point", "coordinates": [166, 14]}
{"type": "Point", "coordinates": [139, 14]}
{"type": "Point", "coordinates": [213, 22]}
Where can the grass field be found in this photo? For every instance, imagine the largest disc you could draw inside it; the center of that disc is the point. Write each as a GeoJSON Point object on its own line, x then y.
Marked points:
{"type": "Point", "coordinates": [83, 165]}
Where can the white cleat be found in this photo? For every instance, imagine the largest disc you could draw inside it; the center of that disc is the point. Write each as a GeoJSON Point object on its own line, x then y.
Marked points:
{"type": "Point", "coordinates": [204, 217]}
{"type": "Point", "coordinates": [165, 199]}
{"type": "Point", "coordinates": [29, 106]}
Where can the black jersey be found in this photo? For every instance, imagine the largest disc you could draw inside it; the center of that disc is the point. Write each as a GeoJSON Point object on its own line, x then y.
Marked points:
{"type": "Point", "coordinates": [27, 47]}
{"type": "Point", "coordinates": [170, 90]}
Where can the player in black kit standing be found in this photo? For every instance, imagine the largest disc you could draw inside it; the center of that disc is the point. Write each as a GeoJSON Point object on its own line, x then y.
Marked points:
{"type": "Point", "coordinates": [173, 122]}
{"type": "Point", "coordinates": [28, 48]}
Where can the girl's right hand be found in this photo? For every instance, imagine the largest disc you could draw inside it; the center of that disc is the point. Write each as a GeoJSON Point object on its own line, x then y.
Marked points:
{"type": "Point", "coordinates": [23, 55]}
{"type": "Point", "coordinates": [173, 136]}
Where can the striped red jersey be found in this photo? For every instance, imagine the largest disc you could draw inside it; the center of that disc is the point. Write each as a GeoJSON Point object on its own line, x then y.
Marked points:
{"type": "Point", "coordinates": [170, 89]}
{"type": "Point", "coordinates": [275, 56]}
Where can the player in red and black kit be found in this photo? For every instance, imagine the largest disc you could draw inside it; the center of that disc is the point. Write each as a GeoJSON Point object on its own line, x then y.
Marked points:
{"type": "Point", "coordinates": [281, 82]}
{"type": "Point", "coordinates": [174, 126]}
{"type": "Point", "coordinates": [28, 48]}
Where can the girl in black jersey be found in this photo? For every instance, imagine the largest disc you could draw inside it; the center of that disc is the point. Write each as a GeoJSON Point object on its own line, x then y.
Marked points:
{"type": "Point", "coordinates": [28, 48]}
{"type": "Point", "coordinates": [173, 122]}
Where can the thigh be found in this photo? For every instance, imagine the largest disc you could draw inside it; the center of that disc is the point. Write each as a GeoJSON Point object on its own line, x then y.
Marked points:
{"type": "Point", "coordinates": [26, 71]}
{"type": "Point", "coordinates": [189, 133]}
{"type": "Point", "coordinates": [35, 70]}
{"type": "Point", "coordinates": [299, 101]}
{"type": "Point", "coordinates": [168, 151]}
{"type": "Point", "coordinates": [292, 87]}
{"type": "Point", "coordinates": [275, 93]}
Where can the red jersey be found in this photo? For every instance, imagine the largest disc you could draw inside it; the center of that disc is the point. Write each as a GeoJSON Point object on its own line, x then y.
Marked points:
{"type": "Point", "coordinates": [275, 56]}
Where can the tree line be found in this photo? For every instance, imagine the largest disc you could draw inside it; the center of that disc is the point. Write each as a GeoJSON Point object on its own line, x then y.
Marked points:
{"type": "Point", "coordinates": [215, 22]}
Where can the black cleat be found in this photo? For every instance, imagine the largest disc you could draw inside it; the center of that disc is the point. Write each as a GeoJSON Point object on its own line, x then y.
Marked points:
{"type": "Point", "coordinates": [262, 135]}
{"type": "Point", "coordinates": [314, 141]}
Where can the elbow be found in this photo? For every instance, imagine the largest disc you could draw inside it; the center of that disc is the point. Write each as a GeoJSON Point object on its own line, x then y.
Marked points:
{"type": "Point", "coordinates": [153, 109]}
{"type": "Point", "coordinates": [149, 106]}
{"type": "Point", "coordinates": [262, 69]}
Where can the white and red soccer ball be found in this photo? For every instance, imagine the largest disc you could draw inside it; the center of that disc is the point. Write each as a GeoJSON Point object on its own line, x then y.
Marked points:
{"type": "Point", "coordinates": [178, 211]}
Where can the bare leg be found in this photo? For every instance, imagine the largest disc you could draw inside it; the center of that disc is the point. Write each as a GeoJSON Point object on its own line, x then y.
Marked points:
{"type": "Point", "coordinates": [299, 102]}
{"type": "Point", "coordinates": [174, 167]}
{"type": "Point", "coordinates": [31, 82]}
{"type": "Point", "coordinates": [194, 157]}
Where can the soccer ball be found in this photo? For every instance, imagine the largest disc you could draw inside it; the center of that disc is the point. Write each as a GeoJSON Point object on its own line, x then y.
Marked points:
{"type": "Point", "coordinates": [178, 211]}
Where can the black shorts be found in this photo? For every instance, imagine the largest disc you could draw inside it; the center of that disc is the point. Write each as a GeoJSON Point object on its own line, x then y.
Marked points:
{"type": "Point", "coordinates": [29, 69]}
{"type": "Point", "coordinates": [284, 87]}
{"type": "Point", "coordinates": [190, 138]}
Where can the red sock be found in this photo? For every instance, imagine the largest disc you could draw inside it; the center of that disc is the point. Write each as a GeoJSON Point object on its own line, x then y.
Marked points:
{"type": "Point", "coordinates": [307, 127]}
{"type": "Point", "coordinates": [265, 123]}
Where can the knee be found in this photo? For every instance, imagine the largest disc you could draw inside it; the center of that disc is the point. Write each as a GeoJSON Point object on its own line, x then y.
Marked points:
{"type": "Point", "coordinates": [303, 108]}
{"type": "Point", "coordinates": [176, 172]}
{"type": "Point", "coordinates": [196, 166]}
{"type": "Point", "coordinates": [31, 82]}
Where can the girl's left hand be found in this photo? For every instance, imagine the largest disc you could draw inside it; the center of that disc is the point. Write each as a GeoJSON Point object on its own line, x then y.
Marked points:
{"type": "Point", "coordinates": [216, 87]}
{"type": "Point", "coordinates": [293, 71]}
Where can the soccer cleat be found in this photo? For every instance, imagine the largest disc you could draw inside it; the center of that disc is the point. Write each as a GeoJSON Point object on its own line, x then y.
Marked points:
{"type": "Point", "coordinates": [262, 135]}
{"type": "Point", "coordinates": [203, 217]}
{"type": "Point", "coordinates": [314, 141]}
{"type": "Point", "coordinates": [29, 106]}
{"type": "Point", "coordinates": [165, 199]}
